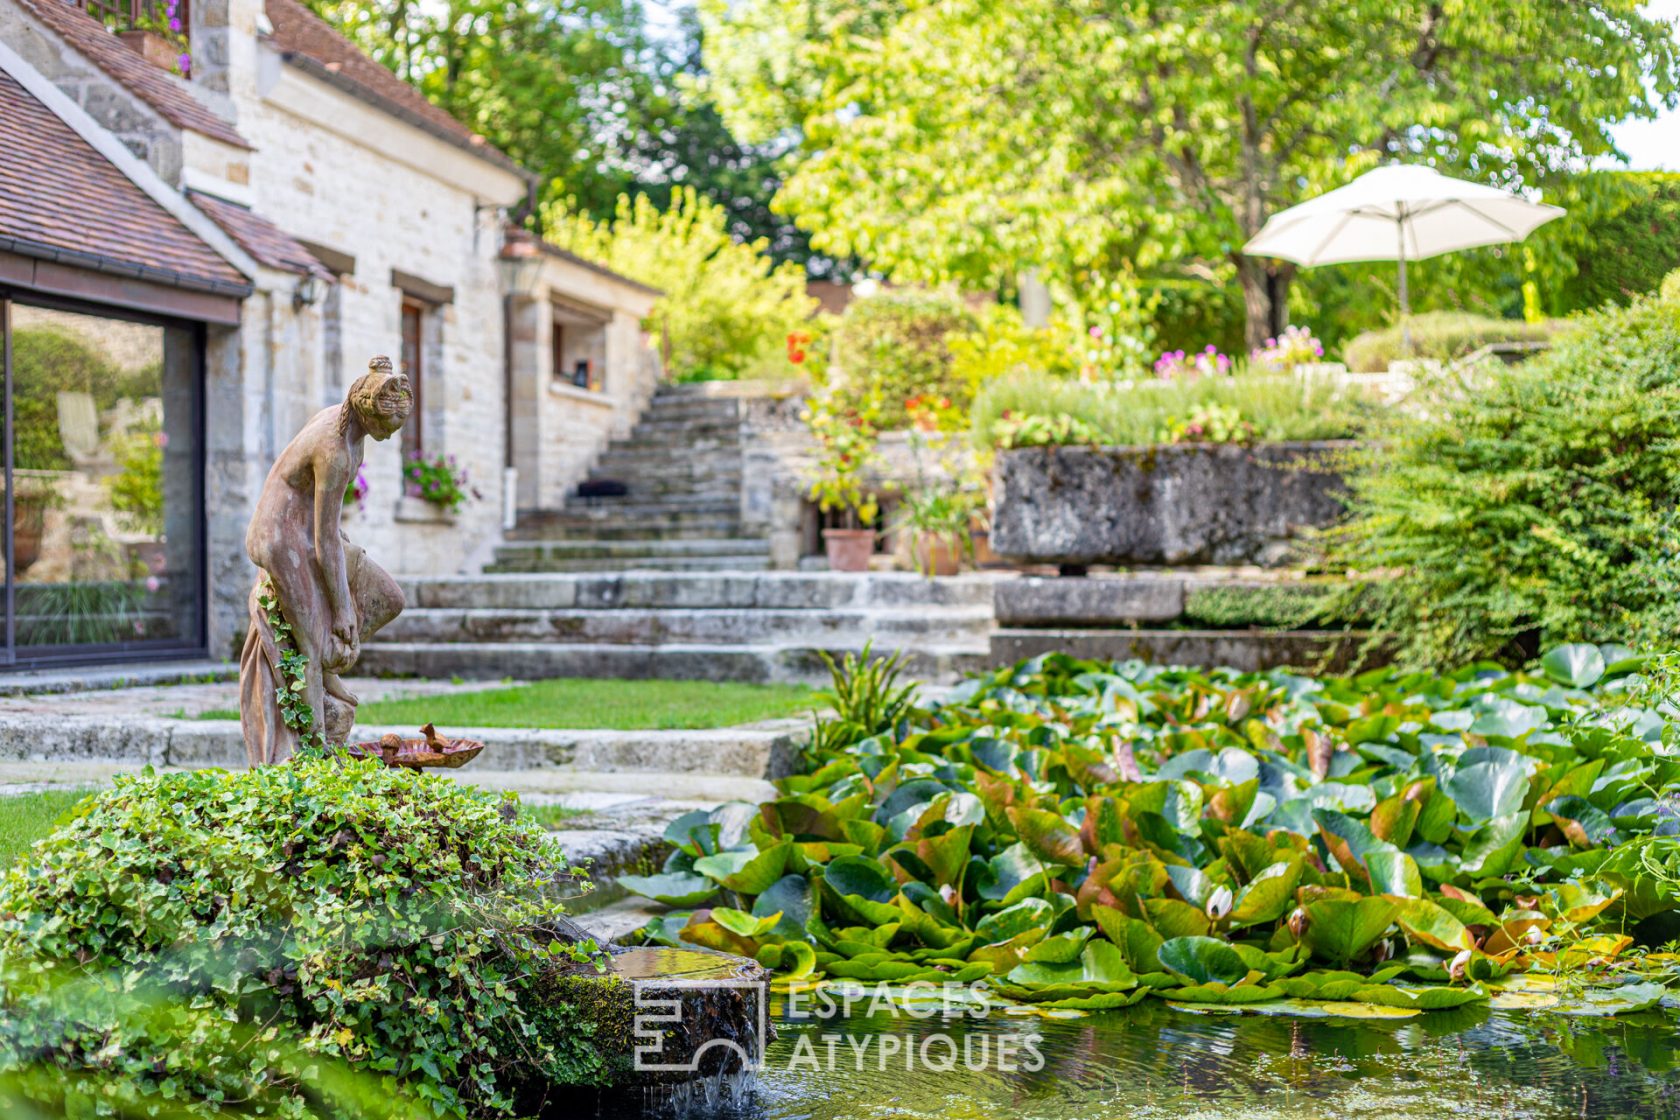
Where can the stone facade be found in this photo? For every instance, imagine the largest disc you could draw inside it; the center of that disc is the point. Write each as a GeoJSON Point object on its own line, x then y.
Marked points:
{"type": "Point", "coordinates": [400, 211]}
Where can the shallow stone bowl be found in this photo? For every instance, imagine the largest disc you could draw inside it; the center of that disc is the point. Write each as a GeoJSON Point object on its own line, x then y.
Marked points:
{"type": "Point", "coordinates": [418, 754]}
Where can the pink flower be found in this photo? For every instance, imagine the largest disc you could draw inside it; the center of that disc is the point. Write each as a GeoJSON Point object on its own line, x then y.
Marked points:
{"type": "Point", "coordinates": [153, 583]}
{"type": "Point", "coordinates": [161, 439]}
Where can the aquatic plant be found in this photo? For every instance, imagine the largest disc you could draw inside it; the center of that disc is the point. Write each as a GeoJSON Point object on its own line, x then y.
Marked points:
{"type": "Point", "coordinates": [1081, 834]}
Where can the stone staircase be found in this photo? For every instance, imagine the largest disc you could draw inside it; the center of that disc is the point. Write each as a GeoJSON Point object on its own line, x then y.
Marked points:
{"type": "Point", "coordinates": [744, 626]}
{"type": "Point", "coordinates": [682, 465]}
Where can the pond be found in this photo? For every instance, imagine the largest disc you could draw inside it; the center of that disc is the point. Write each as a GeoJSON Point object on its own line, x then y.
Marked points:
{"type": "Point", "coordinates": [1154, 1061]}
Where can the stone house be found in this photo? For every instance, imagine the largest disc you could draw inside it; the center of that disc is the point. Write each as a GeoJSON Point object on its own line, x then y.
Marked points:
{"type": "Point", "coordinates": [192, 266]}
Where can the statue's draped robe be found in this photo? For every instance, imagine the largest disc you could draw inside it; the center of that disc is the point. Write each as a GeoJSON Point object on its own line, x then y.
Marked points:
{"type": "Point", "coordinates": [303, 602]}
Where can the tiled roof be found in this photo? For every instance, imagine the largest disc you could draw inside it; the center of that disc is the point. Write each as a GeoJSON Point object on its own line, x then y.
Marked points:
{"type": "Point", "coordinates": [61, 200]}
{"type": "Point", "coordinates": [308, 43]}
{"type": "Point", "coordinates": [258, 236]}
{"type": "Point", "coordinates": [164, 93]}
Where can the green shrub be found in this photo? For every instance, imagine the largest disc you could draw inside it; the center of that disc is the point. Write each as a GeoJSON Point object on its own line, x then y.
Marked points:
{"type": "Point", "coordinates": [1275, 606]}
{"type": "Point", "coordinates": [1265, 406]}
{"type": "Point", "coordinates": [398, 923]}
{"type": "Point", "coordinates": [898, 342]}
{"type": "Point", "coordinates": [1670, 289]}
{"type": "Point", "coordinates": [1441, 336]}
{"type": "Point", "coordinates": [1537, 508]}
{"type": "Point", "coordinates": [1001, 344]}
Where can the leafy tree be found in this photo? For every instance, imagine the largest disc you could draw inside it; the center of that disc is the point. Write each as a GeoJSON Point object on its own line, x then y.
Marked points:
{"type": "Point", "coordinates": [1630, 251]}
{"type": "Point", "coordinates": [553, 83]}
{"type": "Point", "coordinates": [1062, 134]}
{"type": "Point", "coordinates": [680, 140]}
{"type": "Point", "coordinates": [727, 308]}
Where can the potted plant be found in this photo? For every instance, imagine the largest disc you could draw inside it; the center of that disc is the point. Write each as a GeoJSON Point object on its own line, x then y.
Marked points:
{"type": "Point", "coordinates": [938, 522]}
{"type": "Point", "coordinates": [845, 436]}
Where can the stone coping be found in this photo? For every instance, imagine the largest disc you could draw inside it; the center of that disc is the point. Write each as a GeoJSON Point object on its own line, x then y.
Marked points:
{"type": "Point", "coordinates": [754, 751]}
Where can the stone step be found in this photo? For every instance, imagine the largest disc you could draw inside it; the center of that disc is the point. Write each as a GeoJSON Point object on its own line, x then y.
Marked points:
{"type": "Point", "coordinates": [640, 529]}
{"type": "Point", "coordinates": [658, 487]}
{"type": "Point", "coordinates": [604, 549]}
{"type": "Point", "coordinates": [894, 591]}
{"type": "Point", "coordinates": [561, 565]}
{"type": "Point", "coordinates": [751, 752]}
{"type": "Point", "coordinates": [717, 626]}
{"type": "Point", "coordinates": [664, 411]}
{"type": "Point", "coordinates": [665, 504]}
{"type": "Point", "coordinates": [580, 515]}
{"type": "Point", "coordinates": [733, 662]}
{"type": "Point", "coordinates": [1245, 650]}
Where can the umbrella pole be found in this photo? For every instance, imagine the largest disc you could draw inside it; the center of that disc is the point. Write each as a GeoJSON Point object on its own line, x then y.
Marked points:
{"type": "Point", "coordinates": [1405, 304]}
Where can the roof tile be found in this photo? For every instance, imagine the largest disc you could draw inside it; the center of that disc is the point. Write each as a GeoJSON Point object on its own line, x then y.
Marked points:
{"type": "Point", "coordinates": [62, 200]}
{"type": "Point", "coordinates": [163, 92]}
{"type": "Point", "coordinates": [258, 236]}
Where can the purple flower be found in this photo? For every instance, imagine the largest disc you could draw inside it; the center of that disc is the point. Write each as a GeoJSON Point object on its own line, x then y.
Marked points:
{"type": "Point", "coordinates": [175, 25]}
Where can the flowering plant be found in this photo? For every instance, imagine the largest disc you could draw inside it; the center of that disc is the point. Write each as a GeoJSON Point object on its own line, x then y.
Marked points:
{"type": "Point", "coordinates": [357, 490]}
{"type": "Point", "coordinates": [845, 435]}
{"type": "Point", "coordinates": [163, 20]}
{"type": "Point", "coordinates": [1296, 346]}
{"type": "Point", "coordinates": [1212, 423]}
{"type": "Point", "coordinates": [438, 480]}
{"type": "Point", "coordinates": [1177, 365]}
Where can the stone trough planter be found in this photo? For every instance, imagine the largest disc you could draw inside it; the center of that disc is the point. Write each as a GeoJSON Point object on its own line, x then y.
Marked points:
{"type": "Point", "coordinates": [1171, 504]}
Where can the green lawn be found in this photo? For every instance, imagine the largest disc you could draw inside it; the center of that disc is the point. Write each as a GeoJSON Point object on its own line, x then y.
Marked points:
{"type": "Point", "coordinates": [26, 817]}
{"type": "Point", "coordinates": [616, 705]}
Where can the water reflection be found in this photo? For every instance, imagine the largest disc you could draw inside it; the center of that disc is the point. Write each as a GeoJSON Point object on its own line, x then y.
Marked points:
{"type": "Point", "coordinates": [1153, 1061]}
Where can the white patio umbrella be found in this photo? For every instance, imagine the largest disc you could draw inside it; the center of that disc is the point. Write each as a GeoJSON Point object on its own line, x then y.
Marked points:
{"type": "Point", "coordinates": [1398, 213]}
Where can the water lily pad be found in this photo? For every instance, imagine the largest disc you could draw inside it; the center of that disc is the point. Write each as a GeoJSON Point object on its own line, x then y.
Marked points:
{"type": "Point", "coordinates": [1578, 665]}
{"type": "Point", "coordinates": [1201, 960]}
{"type": "Point", "coordinates": [673, 889]}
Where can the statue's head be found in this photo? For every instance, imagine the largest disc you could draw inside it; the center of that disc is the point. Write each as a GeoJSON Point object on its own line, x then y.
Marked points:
{"type": "Point", "coordinates": [381, 399]}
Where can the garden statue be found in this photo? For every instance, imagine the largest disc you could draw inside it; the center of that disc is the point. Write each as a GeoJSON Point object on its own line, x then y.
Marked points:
{"type": "Point", "coordinates": [317, 596]}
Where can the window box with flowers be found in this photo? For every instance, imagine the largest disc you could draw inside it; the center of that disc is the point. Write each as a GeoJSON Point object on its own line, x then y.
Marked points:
{"type": "Point", "coordinates": [156, 31]}
{"type": "Point", "coordinates": [434, 488]}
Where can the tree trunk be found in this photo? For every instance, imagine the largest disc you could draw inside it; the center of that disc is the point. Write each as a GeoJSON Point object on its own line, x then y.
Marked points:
{"type": "Point", "coordinates": [1265, 286]}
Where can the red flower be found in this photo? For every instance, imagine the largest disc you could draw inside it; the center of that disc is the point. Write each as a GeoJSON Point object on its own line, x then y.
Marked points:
{"type": "Point", "coordinates": [796, 356]}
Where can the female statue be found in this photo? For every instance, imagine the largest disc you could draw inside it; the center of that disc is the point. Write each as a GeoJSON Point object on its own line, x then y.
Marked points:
{"type": "Point", "coordinates": [328, 595]}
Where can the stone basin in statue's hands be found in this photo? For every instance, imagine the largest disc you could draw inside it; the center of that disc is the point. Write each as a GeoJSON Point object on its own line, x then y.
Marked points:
{"type": "Point", "coordinates": [428, 751]}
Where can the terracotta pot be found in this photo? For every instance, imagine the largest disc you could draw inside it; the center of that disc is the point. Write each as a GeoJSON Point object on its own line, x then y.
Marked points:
{"type": "Point", "coordinates": [29, 520]}
{"type": "Point", "coordinates": [849, 550]}
{"type": "Point", "coordinates": [981, 541]}
{"type": "Point", "coordinates": [152, 47]}
{"type": "Point", "coordinates": [936, 554]}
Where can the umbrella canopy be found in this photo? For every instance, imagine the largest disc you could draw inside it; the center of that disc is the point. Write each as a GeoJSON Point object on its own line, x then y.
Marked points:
{"type": "Point", "coordinates": [1398, 213]}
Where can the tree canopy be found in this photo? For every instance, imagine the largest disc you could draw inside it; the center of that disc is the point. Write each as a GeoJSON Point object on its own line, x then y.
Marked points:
{"type": "Point", "coordinates": [968, 139]}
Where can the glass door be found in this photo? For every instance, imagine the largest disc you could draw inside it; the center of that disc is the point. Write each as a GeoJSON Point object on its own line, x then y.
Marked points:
{"type": "Point", "coordinates": [104, 520]}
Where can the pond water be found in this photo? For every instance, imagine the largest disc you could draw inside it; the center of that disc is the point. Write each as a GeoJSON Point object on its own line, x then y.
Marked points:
{"type": "Point", "coordinates": [1156, 1061]}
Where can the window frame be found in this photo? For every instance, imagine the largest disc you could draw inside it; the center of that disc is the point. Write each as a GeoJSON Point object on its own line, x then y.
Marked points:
{"type": "Point", "coordinates": [195, 645]}
{"type": "Point", "coordinates": [414, 430]}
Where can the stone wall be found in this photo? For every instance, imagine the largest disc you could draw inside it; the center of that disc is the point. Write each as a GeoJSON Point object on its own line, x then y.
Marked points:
{"type": "Point", "coordinates": [1174, 504]}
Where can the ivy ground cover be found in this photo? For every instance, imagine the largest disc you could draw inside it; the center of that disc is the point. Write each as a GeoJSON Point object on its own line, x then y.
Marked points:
{"type": "Point", "coordinates": [1082, 835]}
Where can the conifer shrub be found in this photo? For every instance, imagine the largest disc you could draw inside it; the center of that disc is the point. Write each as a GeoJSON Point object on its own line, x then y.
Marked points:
{"type": "Point", "coordinates": [1535, 505]}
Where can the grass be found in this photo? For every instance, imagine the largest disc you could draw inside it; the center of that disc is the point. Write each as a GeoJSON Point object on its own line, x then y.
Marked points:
{"type": "Point", "coordinates": [612, 705]}
{"type": "Point", "coordinates": [26, 817]}
{"type": "Point", "coordinates": [1277, 406]}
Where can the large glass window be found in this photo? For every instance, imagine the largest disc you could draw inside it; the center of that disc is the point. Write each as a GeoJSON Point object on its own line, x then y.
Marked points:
{"type": "Point", "coordinates": [104, 538]}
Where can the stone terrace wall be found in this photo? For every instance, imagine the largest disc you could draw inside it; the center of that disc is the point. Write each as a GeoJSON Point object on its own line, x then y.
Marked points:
{"type": "Point", "coordinates": [1177, 504]}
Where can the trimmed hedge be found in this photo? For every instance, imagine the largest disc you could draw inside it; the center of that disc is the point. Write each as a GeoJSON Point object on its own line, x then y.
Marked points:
{"type": "Point", "coordinates": [1441, 336]}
